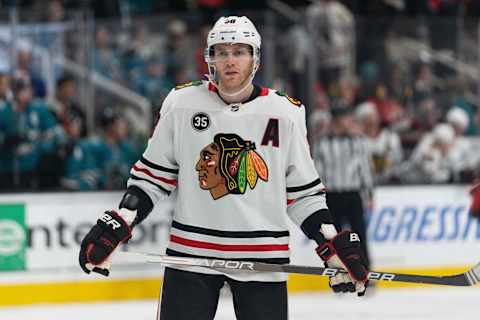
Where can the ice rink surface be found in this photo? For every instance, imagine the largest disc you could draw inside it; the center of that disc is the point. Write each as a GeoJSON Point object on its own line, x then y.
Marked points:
{"type": "Point", "coordinates": [405, 304]}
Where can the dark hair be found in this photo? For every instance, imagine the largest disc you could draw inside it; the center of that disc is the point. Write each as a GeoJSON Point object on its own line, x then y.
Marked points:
{"type": "Point", "coordinates": [108, 117]}
{"type": "Point", "coordinates": [20, 83]}
{"type": "Point", "coordinates": [64, 79]}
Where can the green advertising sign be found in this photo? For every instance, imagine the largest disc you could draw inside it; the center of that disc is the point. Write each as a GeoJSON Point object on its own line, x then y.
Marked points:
{"type": "Point", "coordinates": [13, 237]}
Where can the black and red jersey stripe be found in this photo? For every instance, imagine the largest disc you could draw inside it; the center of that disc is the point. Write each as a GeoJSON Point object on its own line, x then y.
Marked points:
{"type": "Point", "coordinates": [172, 182]}
{"type": "Point", "coordinates": [228, 247]}
{"type": "Point", "coordinates": [222, 244]}
{"type": "Point", "coordinates": [152, 165]}
{"type": "Point", "coordinates": [230, 234]}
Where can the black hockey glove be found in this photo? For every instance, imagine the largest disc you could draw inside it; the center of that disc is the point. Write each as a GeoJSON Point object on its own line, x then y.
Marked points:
{"type": "Point", "coordinates": [99, 243]}
{"type": "Point", "coordinates": [344, 251]}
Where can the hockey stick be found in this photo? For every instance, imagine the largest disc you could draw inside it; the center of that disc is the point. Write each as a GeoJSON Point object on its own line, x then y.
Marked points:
{"type": "Point", "coordinates": [468, 278]}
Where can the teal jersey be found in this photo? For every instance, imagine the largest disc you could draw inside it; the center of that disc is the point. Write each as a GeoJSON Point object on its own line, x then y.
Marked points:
{"type": "Point", "coordinates": [94, 164]}
{"type": "Point", "coordinates": [37, 133]}
{"type": "Point", "coordinates": [6, 124]}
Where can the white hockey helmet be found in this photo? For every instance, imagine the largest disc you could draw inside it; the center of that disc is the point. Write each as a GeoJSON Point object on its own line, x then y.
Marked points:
{"type": "Point", "coordinates": [233, 29]}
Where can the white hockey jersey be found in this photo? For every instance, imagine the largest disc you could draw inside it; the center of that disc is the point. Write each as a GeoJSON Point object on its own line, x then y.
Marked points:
{"type": "Point", "coordinates": [235, 168]}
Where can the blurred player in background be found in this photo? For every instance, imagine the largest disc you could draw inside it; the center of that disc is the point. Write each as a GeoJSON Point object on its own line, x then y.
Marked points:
{"type": "Point", "coordinates": [238, 157]}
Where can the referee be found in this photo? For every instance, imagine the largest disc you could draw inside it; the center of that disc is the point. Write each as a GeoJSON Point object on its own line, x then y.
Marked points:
{"type": "Point", "coordinates": [344, 164]}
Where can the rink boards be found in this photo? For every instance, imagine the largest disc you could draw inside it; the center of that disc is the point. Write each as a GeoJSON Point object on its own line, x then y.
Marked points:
{"type": "Point", "coordinates": [424, 229]}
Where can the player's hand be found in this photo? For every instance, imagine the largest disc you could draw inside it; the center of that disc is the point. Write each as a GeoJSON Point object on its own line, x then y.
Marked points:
{"type": "Point", "coordinates": [344, 252]}
{"type": "Point", "coordinates": [475, 204]}
{"type": "Point", "coordinates": [99, 243]}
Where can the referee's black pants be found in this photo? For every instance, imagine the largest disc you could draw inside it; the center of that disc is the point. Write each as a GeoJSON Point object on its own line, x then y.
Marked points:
{"type": "Point", "coordinates": [347, 207]}
{"type": "Point", "coordinates": [194, 296]}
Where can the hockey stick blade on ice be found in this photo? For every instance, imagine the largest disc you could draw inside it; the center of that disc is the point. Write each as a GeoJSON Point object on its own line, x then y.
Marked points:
{"type": "Point", "coordinates": [468, 278]}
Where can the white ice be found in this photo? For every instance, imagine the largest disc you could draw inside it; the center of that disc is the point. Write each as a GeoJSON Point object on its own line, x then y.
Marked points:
{"type": "Point", "coordinates": [440, 303]}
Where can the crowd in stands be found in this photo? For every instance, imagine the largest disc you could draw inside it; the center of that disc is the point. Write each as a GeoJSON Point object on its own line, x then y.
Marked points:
{"type": "Point", "coordinates": [420, 129]}
{"type": "Point", "coordinates": [44, 146]}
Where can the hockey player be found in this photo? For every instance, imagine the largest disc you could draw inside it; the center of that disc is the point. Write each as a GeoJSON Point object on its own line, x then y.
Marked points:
{"type": "Point", "coordinates": [238, 156]}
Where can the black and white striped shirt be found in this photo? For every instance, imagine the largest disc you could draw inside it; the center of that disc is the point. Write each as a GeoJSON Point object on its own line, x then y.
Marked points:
{"type": "Point", "coordinates": [344, 163]}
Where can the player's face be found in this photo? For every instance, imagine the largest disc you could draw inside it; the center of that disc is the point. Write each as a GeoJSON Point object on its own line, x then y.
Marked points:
{"type": "Point", "coordinates": [234, 63]}
{"type": "Point", "coordinates": [207, 167]}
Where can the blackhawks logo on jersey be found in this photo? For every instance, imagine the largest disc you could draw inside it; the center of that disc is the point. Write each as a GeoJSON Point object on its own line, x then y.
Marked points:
{"type": "Point", "coordinates": [229, 165]}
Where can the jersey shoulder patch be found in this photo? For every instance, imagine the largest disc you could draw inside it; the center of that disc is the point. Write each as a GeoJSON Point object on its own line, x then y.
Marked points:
{"type": "Point", "coordinates": [293, 101]}
{"type": "Point", "coordinates": [195, 83]}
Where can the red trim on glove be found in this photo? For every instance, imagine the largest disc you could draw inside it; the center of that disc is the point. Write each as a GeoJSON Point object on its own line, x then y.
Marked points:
{"type": "Point", "coordinates": [89, 250]}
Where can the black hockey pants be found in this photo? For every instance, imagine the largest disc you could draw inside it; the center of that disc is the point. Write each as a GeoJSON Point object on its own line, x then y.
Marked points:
{"type": "Point", "coordinates": [194, 296]}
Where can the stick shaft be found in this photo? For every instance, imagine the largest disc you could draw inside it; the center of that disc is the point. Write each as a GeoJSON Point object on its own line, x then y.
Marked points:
{"type": "Point", "coordinates": [468, 278]}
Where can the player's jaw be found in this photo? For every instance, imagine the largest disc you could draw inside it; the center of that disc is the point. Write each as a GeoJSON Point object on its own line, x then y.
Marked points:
{"type": "Point", "coordinates": [234, 78]}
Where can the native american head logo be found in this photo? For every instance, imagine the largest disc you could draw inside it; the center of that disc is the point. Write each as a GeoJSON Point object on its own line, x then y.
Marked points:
{"type": "Point", "coordinates": [228, 165]}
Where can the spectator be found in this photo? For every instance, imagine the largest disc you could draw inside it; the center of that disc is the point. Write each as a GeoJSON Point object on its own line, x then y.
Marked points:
{"type": "Point", "coordinates": [29, 133]}
{"type": "Point", "coordinates": [53, 38]}
{"type": "Point", "coordinates": [72, 120]}
{"type": "Point", "coordinates": [437, 159]}
{"type": "Point", "coordinates": [347, 91]}
{"type": "Point", "coordinates": [143, 45]}
{"type": "Point", "coordinates": [102, 162]}
{"type": "Point", "coordinates": [334, 25]}
{"type": "Point", "coordinates": [295, 50]}
{"type": "Point", "coordinates": [383, 143]}
{"type": "Point", "coordinates": [67, 112]}
{"type": "Point", "coordinates": [153, 83]}
{"type": "Point", "coordinates": [459, 119]}
{"type": "Point", "coordinates": [423, 84]}
{"type": "Point", "coordinates": [398, 83]}
{"type": "Point", "coordinates": [25, 68]}
{"type": "Point", "coordinates": [423, 121]}
{"type": "Point", "coordinates": [106, 61]}
{"type": "Point", "coordinates": [320, 117]}
{"type": "Point", "coordinates": [390, 111]}
{"type": "Point", "coordinates": [180, 60]}
{"type": "Point", "coordinates": [5, 92]}
{"type": "Point", "coordinates": [461, 102]}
